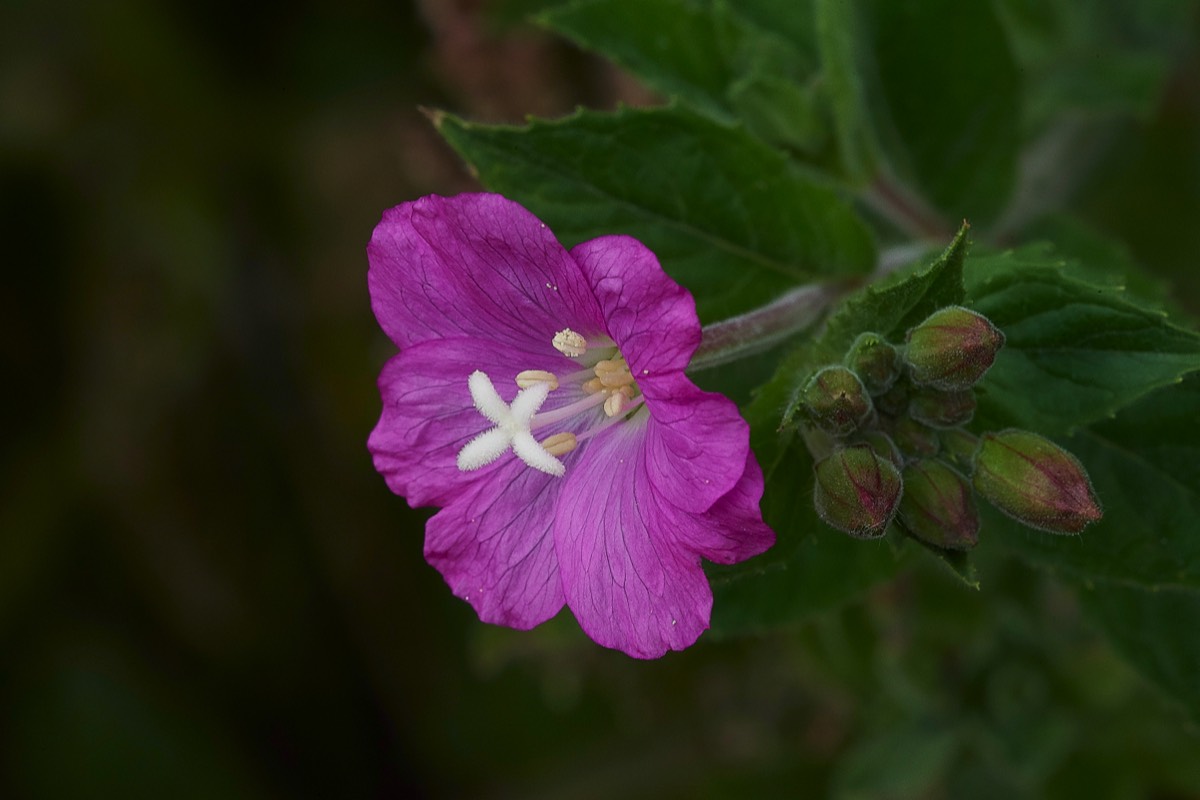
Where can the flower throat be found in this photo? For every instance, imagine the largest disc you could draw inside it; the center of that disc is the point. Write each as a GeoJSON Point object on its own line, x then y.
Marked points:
{"type": "Point", "coordinates": [606, 382]}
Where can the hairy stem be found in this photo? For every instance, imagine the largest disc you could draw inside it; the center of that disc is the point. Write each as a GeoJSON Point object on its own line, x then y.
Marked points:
{"type": "Point", "coordinates": [757, 330]}
{"type": "Point", "coordinates": [905, 209]}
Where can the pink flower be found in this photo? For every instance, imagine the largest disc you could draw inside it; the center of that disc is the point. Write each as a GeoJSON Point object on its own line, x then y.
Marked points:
{"type": "Point", "coordinates": [539, 398]}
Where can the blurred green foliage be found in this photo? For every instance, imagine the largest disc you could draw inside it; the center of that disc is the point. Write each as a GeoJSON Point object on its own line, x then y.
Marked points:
{"type": "Point", "coordinates": [206, 590]}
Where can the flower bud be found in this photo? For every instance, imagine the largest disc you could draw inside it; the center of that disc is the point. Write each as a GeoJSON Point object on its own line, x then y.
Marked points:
{"type": "Point", "coordinates": [914, 438]}
{"type": "Point", "coordinates": [952, 348]}
{"type": "Point", "coordinates": [883, 446]}
{"type": "Point", "coordinates": [959, 447]}
{"type": "Point", "coordinates": [938, 506]}
{"type": "Point", "coordinates": [875, 362]}
{"type": "Point", "coordinates": [939, 409]}
{"type": "Point", "coordinates": [1035, 481]}
{"type": "Point", "coordinates": [836, 400]}
{"type": "Point", "coordinates": [894, 401]}
{"type": "Point", "coordinates": [856, 491]}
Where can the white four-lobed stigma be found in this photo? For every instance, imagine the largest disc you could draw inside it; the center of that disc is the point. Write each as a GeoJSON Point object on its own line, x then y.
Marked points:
{"type": "Point", "coordinates": [512, 427]}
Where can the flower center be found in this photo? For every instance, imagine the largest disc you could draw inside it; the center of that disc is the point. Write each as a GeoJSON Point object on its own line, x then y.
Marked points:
{"type": "Point", "coordinates": [606, 383]}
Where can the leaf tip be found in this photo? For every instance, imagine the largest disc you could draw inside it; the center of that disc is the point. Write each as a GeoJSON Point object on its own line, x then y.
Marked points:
{"type": "Point", "coordinates": [436, 116]}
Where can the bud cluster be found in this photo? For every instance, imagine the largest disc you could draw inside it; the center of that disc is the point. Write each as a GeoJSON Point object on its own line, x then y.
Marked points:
{"type": "Point", "coordinates": [887, 428]}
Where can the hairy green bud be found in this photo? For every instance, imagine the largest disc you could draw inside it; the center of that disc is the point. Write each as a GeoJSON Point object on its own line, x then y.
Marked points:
{"type": "Point", "coordinates": [894, 401]}
{"type": "Point", "coordinates": [938, 506]}
{"type": "Point", "coordinates": [915, 439]}
{"type": "Point", "coordinates": [942, 409]}
{"type": "Point", "coordinates": [883, 446]}
{"type": "Point", "coordinates": [857, 491]}
{"type": "Point", "coordinates": [875, 362]}
{"type": "Point", "coordinates": [952, 348]}
{"type": "Point", "coordinates": [959, 446]}
{"type": "Point", "coordinates": [1035, 481]}
{"type": "Point", "coordinates": [836, 401]}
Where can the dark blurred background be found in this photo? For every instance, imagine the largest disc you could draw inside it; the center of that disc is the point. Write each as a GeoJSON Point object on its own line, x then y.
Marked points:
{"type": "Point", "coordinates": [205, 588]}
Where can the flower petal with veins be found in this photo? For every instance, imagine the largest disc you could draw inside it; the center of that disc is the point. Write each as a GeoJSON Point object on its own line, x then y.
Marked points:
{"type": "Point", "coordinates": [648, 473]}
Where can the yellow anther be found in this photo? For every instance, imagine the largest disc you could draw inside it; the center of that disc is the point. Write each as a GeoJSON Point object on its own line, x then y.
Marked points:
{"type": "Point", "coordinates": [593, 386]}
{"type": "Point", "coordinates": [614, 380]}
{"type": "Point", "coordinates": [559, 444]}
{"type": "Point", "coordinates": [610, 365]}
{"type": "Point", "coordinates": [630, 391]}
{"type": "Point", "coordinates": [570, 343]}
{"type": "Point", "coordinates": [532, 377]}
{"type": "Point", "coordinates": [615, 404]}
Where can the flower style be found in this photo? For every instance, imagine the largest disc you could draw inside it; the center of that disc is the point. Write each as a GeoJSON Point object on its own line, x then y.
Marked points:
{"type": "Point", "coordinates": [539, 399]}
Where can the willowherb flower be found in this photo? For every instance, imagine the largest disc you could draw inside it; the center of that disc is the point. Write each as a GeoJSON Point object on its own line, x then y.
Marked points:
{"type": "Point", "coordinates": [539, 398]}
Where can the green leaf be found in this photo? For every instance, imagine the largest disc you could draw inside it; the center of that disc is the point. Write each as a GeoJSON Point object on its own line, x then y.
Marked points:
{"type": "Point", "coordinates": [952, 94]}
{"type": "Point", "coordinates": [841, 46]}
{"type": "Point", "coordinates": [958, 563]}
{"type": "Point", "coordinates": [1095, 258]}
{"type": "Point", "coordinates": [1099, 58]}
{"type": "Point", "coordinates": [675, 46]}
{"type": "Point", "coordinates": [730, 64]}
{"type": "Point", "coordinates": [1162, 430]}
{"type": "Point", "coordinates": [1145, 466]}
{"type": "Point", "coordinates": [927, 92]}
{"type": "Point", "coordinates": [1075, 352]}
{"type": "Point", "coordinates": [1156, 632]}
{"type": "Point", "coordinates": [780, 111]}
{"type": "Point", "coordinates": [728, 217]}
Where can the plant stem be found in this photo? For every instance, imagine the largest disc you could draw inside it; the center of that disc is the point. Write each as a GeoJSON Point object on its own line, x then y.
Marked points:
{"type": "Point", "coordinates": [757, 330]}
{"type": "Point", "coordinates": [904, 209]}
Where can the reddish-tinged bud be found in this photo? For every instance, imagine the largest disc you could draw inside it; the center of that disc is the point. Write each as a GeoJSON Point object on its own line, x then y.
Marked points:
{"type": "Point", "coordinates": [883, 446]}
{"type": "Point", "coordinates": [875, 362]}
{"type": "Point", "coordinates": [836, 401]}
{"type": "Point", "coordinates": [939, 409]}
{"type": "Point", "coordinates": [915, 439]}
{"type": "Point", "coordinates": [856, 491]}
{"type": "Point", "coordinates": [894, 401]}
{"type": "Point", "coordinates": [952, 348]}
{"type": "Point", "coordinates": [1035, 481]}
{"type": "Point", "coordinates": [938, 506]}
{"type": "Point", "coordinates": [959, 447]}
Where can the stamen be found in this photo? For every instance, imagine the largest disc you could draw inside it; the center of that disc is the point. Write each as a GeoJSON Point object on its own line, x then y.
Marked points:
{"type": "Point", "coordinates": [578, 375]}
{"type": "Point", "coordinates": [566, 412]}
{"type": "Point", "coordinates": [570, 343]}
{"type": "Point", "coordinates": [528, 378]}
{"type": "Point", "coordinates": [615, 404]}
{"type": "Point", "coordinates": [615, 380]}
{"type": "Point", "coordinates": [607, 383]}
{"type": "Point", "coordinates": [608, 423]}
{"type": "Point", "coordinates": [559, 444]}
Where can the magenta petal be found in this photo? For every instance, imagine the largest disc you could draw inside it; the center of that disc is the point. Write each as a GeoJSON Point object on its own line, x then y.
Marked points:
{"type": "Point", "coordinates": [475, 265]}
{"type": "Point", "coordinates": [495, 546]}
{"type": "Point", "coordinates": [697, 453]}
{"type": "Point", "coordinates": [631, 585]}
{"type": "Point", "coordinates": [650, 317]}
{"type": "Point", "coordinates": [697, 442]}
{"type": "Point", "coordinates": [732, 530]}
{"type": "Point", "coordinates": [428, 414]}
